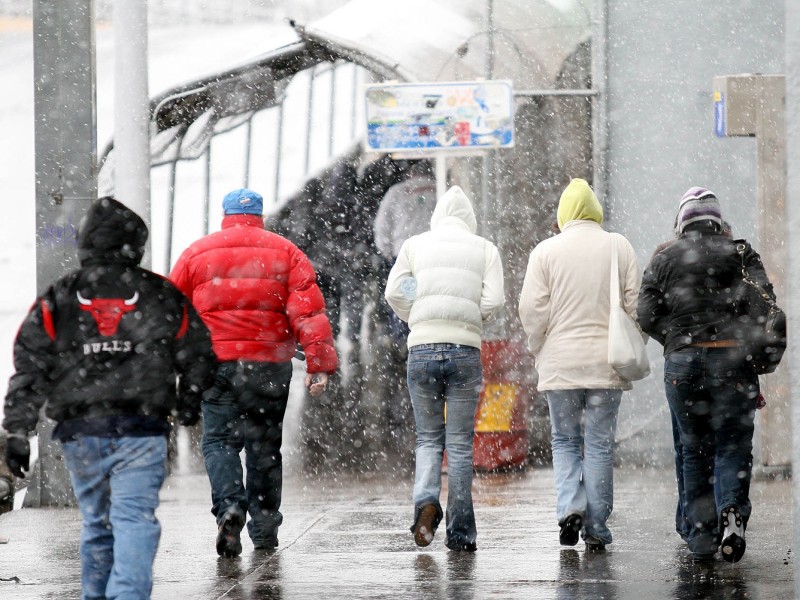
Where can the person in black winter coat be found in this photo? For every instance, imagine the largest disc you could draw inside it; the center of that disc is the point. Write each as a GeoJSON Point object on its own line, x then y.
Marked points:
{"type": "Point", "coordinates": [112, 351]}
{"type": "Point", "coordinates": [687, 302]}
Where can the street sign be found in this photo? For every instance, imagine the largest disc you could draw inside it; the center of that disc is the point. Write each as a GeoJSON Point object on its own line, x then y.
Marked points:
{"type": "Point", "coordinates": [719, 114]}
{"type": "Point", "coordinates": [451, 116]}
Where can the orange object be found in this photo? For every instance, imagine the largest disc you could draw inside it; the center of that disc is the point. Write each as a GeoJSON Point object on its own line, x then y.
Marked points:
{"type": "Point", "coordinates": [501, 427]}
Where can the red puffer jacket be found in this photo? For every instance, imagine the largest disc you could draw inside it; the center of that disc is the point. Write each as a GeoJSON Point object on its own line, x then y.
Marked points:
{"type": "Point", "coordinates": [258, 295]}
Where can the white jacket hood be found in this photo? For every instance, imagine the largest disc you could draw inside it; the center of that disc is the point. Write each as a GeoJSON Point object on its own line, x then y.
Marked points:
{"type": "Point", "coordinates": [458, 277]}
{"type": "Point", "coordinates": [453, 207]}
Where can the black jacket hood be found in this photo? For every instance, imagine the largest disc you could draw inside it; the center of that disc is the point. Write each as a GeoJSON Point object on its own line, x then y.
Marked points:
{"type": "Point", "coordinates": [111, 232]}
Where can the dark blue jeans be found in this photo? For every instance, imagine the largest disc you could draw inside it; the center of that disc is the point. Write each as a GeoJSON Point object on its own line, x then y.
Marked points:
{"type": "Point", "coordinates": [682, 524]}
{"type": "Point", "coordinates": [711, 394]}
{"type": "Point", "coordinates": [244, 410]}
{"type": "Point", "coordinates": [448, 375]}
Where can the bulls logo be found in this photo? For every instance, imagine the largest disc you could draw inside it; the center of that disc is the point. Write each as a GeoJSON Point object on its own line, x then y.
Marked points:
{"type": "Point", "coordinates": [107, 312]}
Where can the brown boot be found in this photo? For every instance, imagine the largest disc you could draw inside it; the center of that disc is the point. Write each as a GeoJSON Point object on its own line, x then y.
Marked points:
{"type": "Point", "coordinates": [424, 528]}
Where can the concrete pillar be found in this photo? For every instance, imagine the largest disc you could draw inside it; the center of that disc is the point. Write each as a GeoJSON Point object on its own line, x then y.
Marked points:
{"type": "Point", "coordinates": [771, 194]}
{"type": "Point", "coordinates": [753, 105]}
{"type": "Point", "coordinates": [66, 176]}
{"type": "Point", "coordinates": [792, 129]}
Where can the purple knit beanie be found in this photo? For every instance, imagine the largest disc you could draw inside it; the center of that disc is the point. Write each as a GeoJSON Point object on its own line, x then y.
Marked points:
{"type": "Point", "coordinates": [697, 204]}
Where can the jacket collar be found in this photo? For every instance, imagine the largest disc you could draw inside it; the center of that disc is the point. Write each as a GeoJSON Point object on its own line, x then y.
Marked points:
{"type": "Point", "coordinates": [699, 228]}
{"type": "Point", "coordinates": [242, 220]}
{"type": "Point", "coordinates": [451, 221]}
{"type": "Point", "coordinates": [580, 224]}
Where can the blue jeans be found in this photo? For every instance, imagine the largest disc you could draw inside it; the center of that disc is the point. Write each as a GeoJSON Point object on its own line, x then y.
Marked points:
{"type": "Point", "coordinates": [712, 395]}
{"type": "Point", "coordinates": [583, 425]}
{"type": "Point", "coordinates": [442, 375]}
{"type": "Point", "coordinates": [116, 482]}
{"type": "Point", "coordinates": [682, 523]}
{"type": "Point", "coordinates": [244, 410]}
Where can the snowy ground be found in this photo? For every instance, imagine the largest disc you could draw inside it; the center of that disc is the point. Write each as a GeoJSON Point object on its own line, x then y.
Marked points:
{"type": "Point", "coordinates": [177, 55]}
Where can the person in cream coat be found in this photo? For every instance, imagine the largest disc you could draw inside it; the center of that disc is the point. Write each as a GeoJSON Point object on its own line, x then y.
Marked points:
{"type": "Point", "coordinates": [446, 283]}
{"type": "Point", "coordinates": [564, 308]}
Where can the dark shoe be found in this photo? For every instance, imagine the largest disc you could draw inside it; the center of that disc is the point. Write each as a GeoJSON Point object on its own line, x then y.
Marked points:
{"type": "Point", "coordinates": [593, 545]}
{"type": "Point", "coordinates": [733, 544]}
{"type": "Point", "coordinates": [462, 546]}
{"type": "Point", "coordinates": [703, 559]}
{"type": "Point", "coordinates": [570, 530]}
{"type": "Point", "coordinates": [229, 543]}
{"type": "Point", "coordinates": [425, 526]}
{"type": "Point", "coordinates": [269, 544]}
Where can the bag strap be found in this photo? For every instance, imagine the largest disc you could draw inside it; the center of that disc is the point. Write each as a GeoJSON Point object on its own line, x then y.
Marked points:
{"type": "Point", "coordinates": [740, 248]}
{"type": "Point", "coordinates": [614, 295]}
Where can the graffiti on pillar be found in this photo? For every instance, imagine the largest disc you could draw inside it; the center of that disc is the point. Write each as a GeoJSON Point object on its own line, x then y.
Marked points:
{"type": "Point", "coordinates": [53, 234]}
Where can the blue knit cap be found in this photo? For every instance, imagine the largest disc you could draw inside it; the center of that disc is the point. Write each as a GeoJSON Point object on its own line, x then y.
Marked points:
{"type": "Point", "coordinates": [243, 202]}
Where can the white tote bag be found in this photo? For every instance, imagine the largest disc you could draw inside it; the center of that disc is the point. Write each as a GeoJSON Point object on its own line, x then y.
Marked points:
{"type": "Point", "coordinates": [626, 343]}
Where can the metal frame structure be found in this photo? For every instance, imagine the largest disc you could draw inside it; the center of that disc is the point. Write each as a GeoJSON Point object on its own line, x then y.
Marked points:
{"type": "Point", "coordinates": [234, 100]}
{"type": "Point", "coordinates": [261, 86]}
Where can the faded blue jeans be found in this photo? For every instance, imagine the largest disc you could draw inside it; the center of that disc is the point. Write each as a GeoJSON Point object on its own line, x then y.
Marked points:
{"type": "Point", "coordinates": [244, 410]}
{"type": "Point", "coordinates": [712, 395]}
{"type": "Point", "coordinates": [116, 482]}
{"type": "Point", "coordinates": [583, 424]}
{"type": "Point", "coordinates": [449, 375]}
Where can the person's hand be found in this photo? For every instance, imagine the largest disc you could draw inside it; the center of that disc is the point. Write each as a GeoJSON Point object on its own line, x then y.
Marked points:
{"type": "Point", "coordinates": [187, 416]}
{"type": "Point", "coordinates": [316, 383]}
{"type": "Point", "coordinates": [18, 454]}
{"type": "Point", "coordinates": [188, 410]}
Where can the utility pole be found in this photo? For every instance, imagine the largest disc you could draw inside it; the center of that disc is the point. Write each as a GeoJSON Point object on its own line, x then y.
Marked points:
{"type": "Point", "coordinates": [66, 177]}
{"type": "Point", "coordinates": [132, 113]}
{"type": "Point", "coordinates": [792, 166]}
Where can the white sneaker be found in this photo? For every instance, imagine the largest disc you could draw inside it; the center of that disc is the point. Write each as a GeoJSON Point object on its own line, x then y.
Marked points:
{"type": "Point", "coordinates": [733, 544]}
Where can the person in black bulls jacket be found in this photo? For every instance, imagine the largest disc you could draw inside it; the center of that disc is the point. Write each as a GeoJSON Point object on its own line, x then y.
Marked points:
{"type": "Point", "coordinates": [111, 350]}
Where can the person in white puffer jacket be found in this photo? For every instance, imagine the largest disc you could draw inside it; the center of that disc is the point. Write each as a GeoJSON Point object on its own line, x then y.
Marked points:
{"type": "Point", "coordinates": [446, 283]}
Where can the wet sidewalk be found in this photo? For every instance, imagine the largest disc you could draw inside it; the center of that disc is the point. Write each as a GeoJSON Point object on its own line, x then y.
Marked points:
{"type": "Point", "coordinates": [346, 536]}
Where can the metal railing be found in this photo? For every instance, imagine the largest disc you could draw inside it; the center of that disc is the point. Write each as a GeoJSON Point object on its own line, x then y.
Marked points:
{"type": "Point", "coordinates": [304, 130]}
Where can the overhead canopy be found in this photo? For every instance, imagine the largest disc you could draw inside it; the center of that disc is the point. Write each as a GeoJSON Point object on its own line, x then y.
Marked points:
{"type": "Point", "coordinates": [448, 40]}
{"type": "Point", "coordinates": [413, 40]}
{"type": "Point", "coordinates": [187, 117]}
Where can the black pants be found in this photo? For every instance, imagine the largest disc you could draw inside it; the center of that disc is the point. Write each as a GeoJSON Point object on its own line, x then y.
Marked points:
{"type": "Point", "coordinates": [244, 410]}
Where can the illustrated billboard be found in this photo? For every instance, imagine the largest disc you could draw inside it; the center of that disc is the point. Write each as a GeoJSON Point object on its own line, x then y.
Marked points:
{"type": "Point", "coordinates": [440, 116]}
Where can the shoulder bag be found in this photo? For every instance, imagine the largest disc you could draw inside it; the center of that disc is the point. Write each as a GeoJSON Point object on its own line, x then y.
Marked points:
{"type": "Point", "coordinates": [626, 345]}
{"type": "Point", "coordinates": [761, 324]}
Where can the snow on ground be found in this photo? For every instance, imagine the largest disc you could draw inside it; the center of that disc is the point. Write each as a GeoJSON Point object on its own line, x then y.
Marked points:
{"type": "Point", "coordinates": [177, 55]}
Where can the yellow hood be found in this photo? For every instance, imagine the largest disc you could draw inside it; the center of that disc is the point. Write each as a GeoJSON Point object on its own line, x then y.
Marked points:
{"type": "Point", "coordinates": [578, 203]}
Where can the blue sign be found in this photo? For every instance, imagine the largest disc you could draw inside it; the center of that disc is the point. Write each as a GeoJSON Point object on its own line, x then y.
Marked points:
{"type": "Point", "coordinates": [719, 114]}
